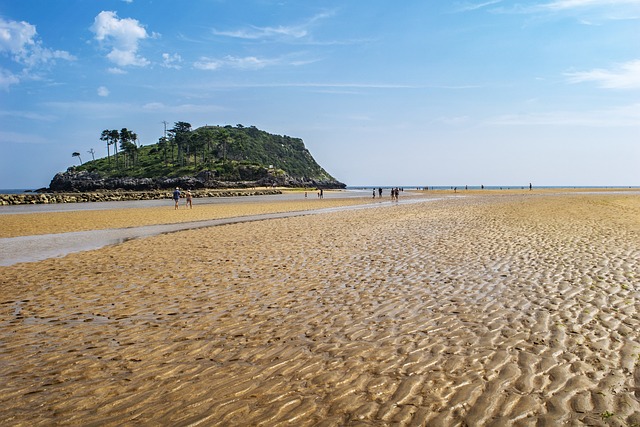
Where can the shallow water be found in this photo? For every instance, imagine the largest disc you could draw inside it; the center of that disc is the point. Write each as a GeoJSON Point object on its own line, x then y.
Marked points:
{"type": "Point", "coordinates": [14, 250]}
{"type": "Point", "coordinates": [128, 204]}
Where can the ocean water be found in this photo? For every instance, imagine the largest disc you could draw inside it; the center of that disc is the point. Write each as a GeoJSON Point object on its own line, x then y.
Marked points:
{"type": "Point", "coordinates": [412, 187]}
{"type": "Point", "coordinates": [15, 190]}
{"type": "Point", "coordinates": [488, 187]}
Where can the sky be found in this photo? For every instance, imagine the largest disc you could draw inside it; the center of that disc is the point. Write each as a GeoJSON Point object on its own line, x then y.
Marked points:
{"type": "Point", "coordinates": [412, 92]}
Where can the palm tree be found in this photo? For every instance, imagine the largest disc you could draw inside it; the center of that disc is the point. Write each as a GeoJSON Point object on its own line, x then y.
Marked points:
{"type": "Point", "coordinates": [76, 154]}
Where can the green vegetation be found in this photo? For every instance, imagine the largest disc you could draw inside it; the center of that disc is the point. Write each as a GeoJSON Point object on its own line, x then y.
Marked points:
{"type": "Point", "coordinates": [229, 153]}
{"type": "Point", "coordinates": [606, 415]}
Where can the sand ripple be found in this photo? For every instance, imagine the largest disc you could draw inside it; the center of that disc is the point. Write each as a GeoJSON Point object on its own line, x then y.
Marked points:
{"type": "Point", "coordinates": [515, 310]}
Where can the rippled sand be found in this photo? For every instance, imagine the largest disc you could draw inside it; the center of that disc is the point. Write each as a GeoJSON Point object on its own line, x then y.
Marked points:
{"type": "Point", "coordinates": [484, 310]}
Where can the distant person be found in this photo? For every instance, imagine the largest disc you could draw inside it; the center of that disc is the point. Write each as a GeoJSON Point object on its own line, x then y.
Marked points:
{"type": "Point", "coordinates": [380, 192]}
{"type": "Point", "coordinates": [321, 193]}
{"type": "Point", "coordinates": [374, 193]}
{"type": "Point", "coordinates": [189, 202]}
{"type": "Point", "coordinates": [176, 196]}
{"type": "Point", "coordinates": [530, 187]}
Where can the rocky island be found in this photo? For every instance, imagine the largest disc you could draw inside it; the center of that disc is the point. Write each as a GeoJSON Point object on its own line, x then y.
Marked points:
{"type": "Point", "coordinates": [210, 161]}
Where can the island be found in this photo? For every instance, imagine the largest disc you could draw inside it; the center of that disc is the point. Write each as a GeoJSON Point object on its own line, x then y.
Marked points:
{"type": "Point", "coordinates": [210, 160]}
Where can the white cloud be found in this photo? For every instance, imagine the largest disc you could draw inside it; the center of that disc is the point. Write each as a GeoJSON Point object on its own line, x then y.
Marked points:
{"type": "Point", "coordinates": [573, 4]}
{"type": "Point", "coordinates": [10, 138]}
{"type": "Point", "coordinates": [116, 110]}
{"type": "Point", "coordinates": [154, 106]}
{"type": "Point", "coordinates": [468, 7]}
{"type": "Point", "coordinates": [623, 76]}
{"type": "Point", "coordinates": [7, 78]}
{"type": "Point", "coordinates": [207, 64]}
{"type": "Point", "coordinates": [122, 36]}
{"type": "Point", "coordinates": [16, 36]}
{"type": "Point", "coordinates": [264, 32]}
{"type": "Point", "coordinates": [171, 61]}
{"type": "Point", "coordinates": [588, 12]}
{"type": "Point", "coordinates": [124, 58]}
{"type": "Point", "coordinates": [103, 91]}
{"type": "Point", "coordinates": [281, 31]}
{"type": "Point", "coordinates": [613, 117]}
{"type": "Point", "coordinates": [20, 41]}
{"type": "Point", "coordinates": [29, 115]}
{"type": "Point", "coordinates": [246, 63]}
{"type": "Point", "coordinates": [116, 70]}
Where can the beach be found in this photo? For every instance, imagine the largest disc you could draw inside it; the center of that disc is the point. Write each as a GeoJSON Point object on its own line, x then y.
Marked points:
{"type": "Point", "coordinates": [499, 308]}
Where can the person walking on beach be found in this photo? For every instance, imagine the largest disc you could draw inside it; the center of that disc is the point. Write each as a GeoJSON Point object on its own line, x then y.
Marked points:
{"type": "Point", "coordinates": [176, 196]}
{"type": "Point", "coordinates": [374, 193]}
{"type": "Point", "coordinates": [189, 202]}
{"type": "Point", "coordinates": [380, 192]}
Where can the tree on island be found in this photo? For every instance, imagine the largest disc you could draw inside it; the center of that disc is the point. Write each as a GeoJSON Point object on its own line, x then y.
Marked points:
{"type": "Point", "coordinates": [93, 154]}
{"type": "Point", "coordinates": [225, 152]}
{"type": "Point", "coordinates": [128, 145]}
{"type": "Point", "coordinates": [163, 142]}
{"type": "Point", "coordinates": [181, 135]}
{"type": "Point", "coordinates": [76, 154]}
{"type": "Point", "coordinates": [110, 137]}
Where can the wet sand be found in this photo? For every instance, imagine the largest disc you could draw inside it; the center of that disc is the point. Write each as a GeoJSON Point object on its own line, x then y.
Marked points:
{"type": "Point", "coordinates": [519, 309]}
{"type": "Point", "coordinates": [36, 223]}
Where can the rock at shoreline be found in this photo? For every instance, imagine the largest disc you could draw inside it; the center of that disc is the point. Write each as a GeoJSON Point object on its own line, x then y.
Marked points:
{"type": "Point", "coordinates": [73, 181]}
{"type": "Point", "coordinates": [112, 196]}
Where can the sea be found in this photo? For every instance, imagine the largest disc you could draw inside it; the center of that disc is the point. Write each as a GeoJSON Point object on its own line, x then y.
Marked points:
{"type": "Point", "coordinates": [487, 187]}
{"type": "Point", "coordinates": [413, 187]}
{"type": "Point", "coordinates": [16, 191]}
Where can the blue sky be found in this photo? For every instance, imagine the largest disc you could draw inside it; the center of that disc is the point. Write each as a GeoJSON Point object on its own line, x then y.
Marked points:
{"type": "Point", "coordinates": [382, 92]}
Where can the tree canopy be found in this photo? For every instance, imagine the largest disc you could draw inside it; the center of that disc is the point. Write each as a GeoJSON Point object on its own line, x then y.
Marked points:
{"type": "Point", "coordinates": [218, 149]}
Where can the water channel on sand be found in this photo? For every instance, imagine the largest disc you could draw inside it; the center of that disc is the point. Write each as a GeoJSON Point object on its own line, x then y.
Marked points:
{"type": "Point", "coordinates": [38, 247]}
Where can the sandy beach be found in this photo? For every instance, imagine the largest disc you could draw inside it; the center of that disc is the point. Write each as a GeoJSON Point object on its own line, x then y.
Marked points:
{"type": "Point", "coordinates": [496, 309]}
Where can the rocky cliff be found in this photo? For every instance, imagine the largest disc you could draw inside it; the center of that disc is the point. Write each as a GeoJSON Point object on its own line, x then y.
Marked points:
{"type": "Point", "coordinates": [85, 181]}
